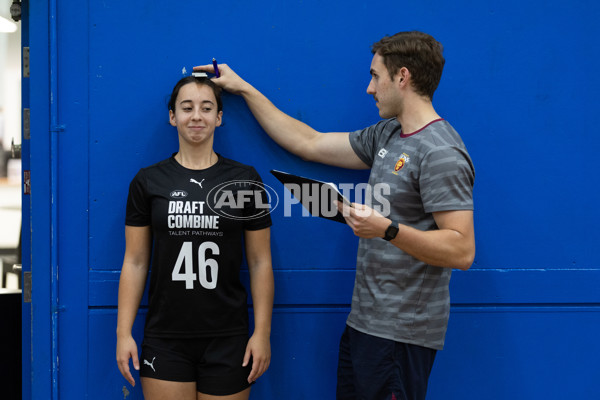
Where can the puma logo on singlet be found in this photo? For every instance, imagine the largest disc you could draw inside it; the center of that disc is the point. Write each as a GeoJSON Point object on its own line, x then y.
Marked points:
{"type": "Point", "coordinates": [146, 362]}
{"type": "Point", "coordinates": [196, 182]}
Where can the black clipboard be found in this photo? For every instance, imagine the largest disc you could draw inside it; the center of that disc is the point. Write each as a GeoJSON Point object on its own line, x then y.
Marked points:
{"type": "Point", "coordinates": [315, 196]}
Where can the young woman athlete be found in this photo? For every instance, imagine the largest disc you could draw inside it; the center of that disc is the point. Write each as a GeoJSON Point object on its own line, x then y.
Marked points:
{"type": "Point", "coordinates": [182, 215]}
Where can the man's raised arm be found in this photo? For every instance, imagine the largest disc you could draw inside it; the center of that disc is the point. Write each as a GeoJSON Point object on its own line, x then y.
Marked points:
{"type": "Point", "coordinates": [295, 136]}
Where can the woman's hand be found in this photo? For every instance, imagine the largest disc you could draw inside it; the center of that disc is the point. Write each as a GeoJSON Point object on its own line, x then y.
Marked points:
{"type": "Point", "coordinates": [259, 348]}
{"type": "Point", "coordinates": [126, 349]}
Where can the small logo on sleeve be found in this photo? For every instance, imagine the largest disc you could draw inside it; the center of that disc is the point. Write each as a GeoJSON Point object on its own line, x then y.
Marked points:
{"type": "Point", "coordinates": [382, 153]}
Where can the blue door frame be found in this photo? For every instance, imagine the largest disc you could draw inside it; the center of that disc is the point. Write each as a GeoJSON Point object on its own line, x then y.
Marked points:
{"type": "Point", "coordinates": [58, 208]}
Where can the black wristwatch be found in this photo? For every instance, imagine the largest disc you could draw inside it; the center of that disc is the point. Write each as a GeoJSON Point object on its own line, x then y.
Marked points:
{"type": "Point", "coordinates": [391, 231]}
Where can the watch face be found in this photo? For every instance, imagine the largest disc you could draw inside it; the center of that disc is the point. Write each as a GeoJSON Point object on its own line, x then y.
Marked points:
{"type": "Point", "coordinates": [391, 231]}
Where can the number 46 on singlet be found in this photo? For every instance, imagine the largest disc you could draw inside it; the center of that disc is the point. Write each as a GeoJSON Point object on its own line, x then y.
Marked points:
{"type": "Point", "coordinates": [208, 268]}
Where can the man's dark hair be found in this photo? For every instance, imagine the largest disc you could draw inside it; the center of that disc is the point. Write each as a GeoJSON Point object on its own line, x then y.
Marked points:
{"type": "Point", "coordinates": [419, 52]}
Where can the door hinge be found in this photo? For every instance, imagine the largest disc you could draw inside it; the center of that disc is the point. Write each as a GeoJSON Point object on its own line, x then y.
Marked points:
{"type": "Point", "coordinates": [26, 124]}
{"type": "Point", "coordinates": [25, 62]}
{"type": "Point", "coordinates": [27, 287]}
{"type": "Point", "coordinates": [26, 182]}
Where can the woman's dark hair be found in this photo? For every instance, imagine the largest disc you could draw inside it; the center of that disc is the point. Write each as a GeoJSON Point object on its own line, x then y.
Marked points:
{"type": "Point", "coordinates": [199, 80]}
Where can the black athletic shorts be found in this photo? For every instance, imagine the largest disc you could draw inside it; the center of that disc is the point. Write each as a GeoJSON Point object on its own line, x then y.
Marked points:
{"type": "Point", "coordinates": [373, 368]}
{"type": "Point", "coordinates": [215, 364]}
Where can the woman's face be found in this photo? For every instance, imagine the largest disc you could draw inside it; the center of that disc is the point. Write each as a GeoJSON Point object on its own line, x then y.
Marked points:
{"type": "Point", "coordinates": [196, 115]}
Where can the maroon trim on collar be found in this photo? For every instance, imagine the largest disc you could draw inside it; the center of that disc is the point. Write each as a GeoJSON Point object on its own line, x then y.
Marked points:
{"type": "Point", "coordinates": [402, 135]}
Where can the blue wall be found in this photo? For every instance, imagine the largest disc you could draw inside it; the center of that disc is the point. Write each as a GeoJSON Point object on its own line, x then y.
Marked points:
{"type": "Point", "coordinates": [520, 85]}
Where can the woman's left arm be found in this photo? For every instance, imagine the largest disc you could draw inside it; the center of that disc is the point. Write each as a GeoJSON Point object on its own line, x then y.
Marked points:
{"type": "Point", "coordinates": [258, 255]}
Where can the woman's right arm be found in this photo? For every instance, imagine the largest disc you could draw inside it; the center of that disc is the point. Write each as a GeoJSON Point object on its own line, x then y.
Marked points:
{"type": "Point", "coordinates": [131, 288]}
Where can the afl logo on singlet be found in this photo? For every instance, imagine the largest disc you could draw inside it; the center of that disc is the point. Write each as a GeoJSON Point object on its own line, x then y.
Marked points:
{"type": "Point", "coordinates": [178, 194]}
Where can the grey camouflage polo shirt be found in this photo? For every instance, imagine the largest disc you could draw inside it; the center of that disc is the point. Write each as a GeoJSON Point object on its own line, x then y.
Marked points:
{"type": "Point", "coordinates": [395, 295]}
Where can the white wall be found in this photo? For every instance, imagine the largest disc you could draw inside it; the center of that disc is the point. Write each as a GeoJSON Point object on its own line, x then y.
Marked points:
{"type": "Point", "coordinates": [10, 81]}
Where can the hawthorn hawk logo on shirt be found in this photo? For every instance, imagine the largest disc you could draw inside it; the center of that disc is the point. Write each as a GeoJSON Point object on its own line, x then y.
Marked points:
{"type": "Point", "coordinates": [404, 158]}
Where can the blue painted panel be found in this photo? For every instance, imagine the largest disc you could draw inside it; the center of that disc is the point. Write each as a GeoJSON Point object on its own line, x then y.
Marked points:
{"type": "Point", "coordinates": [73, 108]}
{"type": "Point", "coordinates": [519, 354]}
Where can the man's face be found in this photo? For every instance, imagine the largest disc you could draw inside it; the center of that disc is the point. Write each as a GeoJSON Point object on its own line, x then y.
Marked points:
{"type": "Point", "coordinates": [384, 89]}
